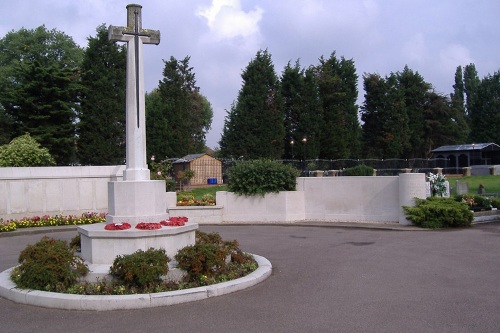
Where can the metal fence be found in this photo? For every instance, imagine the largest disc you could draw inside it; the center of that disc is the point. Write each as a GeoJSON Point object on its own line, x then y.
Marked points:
{"type": "Point", "coordinates": [384, 167]}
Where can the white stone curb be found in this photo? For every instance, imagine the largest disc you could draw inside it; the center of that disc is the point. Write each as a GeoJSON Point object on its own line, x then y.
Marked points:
{"type": "Point", "coordinates": [46, 299]}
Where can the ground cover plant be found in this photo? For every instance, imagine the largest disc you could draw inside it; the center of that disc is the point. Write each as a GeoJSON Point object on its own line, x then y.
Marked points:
{"type": "Point", "coordinates": [211, 260]}
{"type": "Point", "coordinates": [435, 212]}
{"type": "Point", "coordinates": [51, 221]}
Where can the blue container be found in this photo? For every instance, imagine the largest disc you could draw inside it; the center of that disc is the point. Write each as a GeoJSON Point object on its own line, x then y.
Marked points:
{"type": "Point", "coordinates": [212, 181]}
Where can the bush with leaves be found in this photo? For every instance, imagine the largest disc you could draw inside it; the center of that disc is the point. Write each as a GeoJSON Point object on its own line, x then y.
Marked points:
{"type": "Point", "coordinates": [209, 257]}
{"type": "Point", "coordinates": [495, 203]}
{"type": "Point", "coordinates": [359, 170]}
{"type": "Point", "coordinates": [258, 177]}
{"type": "Point", "coordinates": [475, 202]}
{"type": "Point", "coordinates": [141, 269]}
{"type": "Point", "coordinates": [435, 212]}
{"type": "Point", "coordinates": [48, 265]}
{"type": "Point", "coordinates": [25, 151]}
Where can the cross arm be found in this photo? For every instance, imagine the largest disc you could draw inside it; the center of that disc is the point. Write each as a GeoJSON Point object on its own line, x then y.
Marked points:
{"type": "Point", "coordinates": [118, 34]}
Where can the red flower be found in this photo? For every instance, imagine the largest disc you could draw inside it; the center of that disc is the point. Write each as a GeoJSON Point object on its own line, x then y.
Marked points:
{"type": "Point", "coordinates": [175, 221]}
{"type": "Point", "coordinates": [148, 226]}
{"type": "Point", "coordinates": [117, 226]}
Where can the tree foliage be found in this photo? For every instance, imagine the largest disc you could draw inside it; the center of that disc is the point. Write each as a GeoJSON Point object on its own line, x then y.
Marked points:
{"type": "Point", "coordinates": [39, 84]}
{"type": "Point", "coordinates": [178, 116]}
{"type": "Point", "coordinates": [254, 127]}
{"type": "Point", "coordinates": [101, 126]}
{"type": "Point", "coordinates": [385, 128]}
{"type": "Point", "coordinates": [337, 84]}
{"type": "Point", "coordinates": [302, 112]}
{"type": "Point", "coordinates": [405, 118]}
{"type": "Point", "coordinates": [25, 151]}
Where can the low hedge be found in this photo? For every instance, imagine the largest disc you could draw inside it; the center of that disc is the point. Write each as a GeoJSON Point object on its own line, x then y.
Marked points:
{"type": "Point", "coordinates": [437, 212]}
{"type": "Point", "coordinates": [359, 170]}
{"type": "Point", "coordinates": [258, 177]}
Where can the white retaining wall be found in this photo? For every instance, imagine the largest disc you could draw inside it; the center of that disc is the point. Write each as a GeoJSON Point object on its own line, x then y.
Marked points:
{"type": "Point", "coordinates": [54, 190]}
{"type": "Point", "coordinates": [74, 190]}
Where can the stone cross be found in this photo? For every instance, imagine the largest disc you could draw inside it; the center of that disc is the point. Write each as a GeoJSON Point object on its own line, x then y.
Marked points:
{"type": "Point", "coordinates": [135, 37]}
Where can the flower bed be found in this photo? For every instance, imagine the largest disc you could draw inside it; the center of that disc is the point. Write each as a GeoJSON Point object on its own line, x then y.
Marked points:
{"type": "Point", "coordinates": [48, 221]}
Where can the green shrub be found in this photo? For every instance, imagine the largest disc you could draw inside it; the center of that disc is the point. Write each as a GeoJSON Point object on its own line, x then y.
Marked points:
{"type": "Point", "coordinates": [49, 265]}
{"type": "Point", "coordinates": [359, 170]}
{"type": "Point", "coordinates": [437, 212]}
{"type": "Point", "coordinates": [209, 256]}
{"type": "Point", "coordinates": [141, 269]}
{"type": "Point", "coordinates": [25, 151]}
{"type": "Point", "coordinates": [259, 177]}
{"type": "Point", "coordinates": [495, 202]}
{"type": "Point", "coordinates": [76, 243]}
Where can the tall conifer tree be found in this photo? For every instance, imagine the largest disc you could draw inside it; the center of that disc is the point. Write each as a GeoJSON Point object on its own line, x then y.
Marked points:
{"type": "Point", "coordinates": [337, 83]}
{"type": "Point", "coordinates": [101, 127]}
{"type": "Point", "coordinates": [254, 127]}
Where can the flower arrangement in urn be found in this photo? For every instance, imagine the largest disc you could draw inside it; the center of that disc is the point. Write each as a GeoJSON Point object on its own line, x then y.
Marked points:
{"type": "Point", "coordinates": [437, 182]}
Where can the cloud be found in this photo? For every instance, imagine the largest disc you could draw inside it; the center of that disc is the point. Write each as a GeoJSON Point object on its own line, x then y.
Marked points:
{"type": "Point", "coordinates": [455, 55]}
{"type": "Point", "coordinates": [415, 49]}
{"type": "Point", "coordinates": [227, 20]}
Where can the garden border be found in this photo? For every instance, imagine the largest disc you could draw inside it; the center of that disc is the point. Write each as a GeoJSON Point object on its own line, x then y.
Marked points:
{"type": "Point", "coordinates": [54, 300]}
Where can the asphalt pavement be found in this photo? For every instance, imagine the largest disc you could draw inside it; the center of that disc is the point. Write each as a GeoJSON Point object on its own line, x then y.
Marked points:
{"type": "Point", "coordinates": [325, 279]}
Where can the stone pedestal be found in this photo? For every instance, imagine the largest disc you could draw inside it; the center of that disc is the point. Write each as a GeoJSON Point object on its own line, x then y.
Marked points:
{"type": "Point", "coordinates": [100, 246]}
{"type": "Point", "coordinates": [411, 186]}
{"type": "Point", "coordinates": [136, 201]}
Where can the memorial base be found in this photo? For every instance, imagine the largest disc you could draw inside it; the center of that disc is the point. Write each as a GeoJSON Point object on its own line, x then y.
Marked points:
{"type": "Point", "coordinates": [100, 246]}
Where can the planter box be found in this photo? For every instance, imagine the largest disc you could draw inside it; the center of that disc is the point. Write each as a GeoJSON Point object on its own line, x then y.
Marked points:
{"type": "Point", "coordinates": [287, 206]}
{"type": "Point", "coordinates": [486, 216]}
{"type": "Point", "coordinates": [198, 214]}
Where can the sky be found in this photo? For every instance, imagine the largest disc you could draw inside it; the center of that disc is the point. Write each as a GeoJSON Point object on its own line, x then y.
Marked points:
{"type": "Point", "coordinates": [221, 37]}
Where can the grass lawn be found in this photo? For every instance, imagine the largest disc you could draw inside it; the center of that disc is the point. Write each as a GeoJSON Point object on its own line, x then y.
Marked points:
{"type": "Point", "coordinates": [199, 192]}
{"type": "Point", "coordinates": [491, 183]}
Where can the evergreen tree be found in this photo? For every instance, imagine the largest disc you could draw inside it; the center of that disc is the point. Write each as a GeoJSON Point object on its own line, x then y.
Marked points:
{"type": "Point", "coordinates": [101, 127]}
{"type": "Point", "coordinates": [39, 86]}
{"type": "Point", "coordinates": [302, 111]}
{"type": "Point", "coordinates": [385, 128]}
{"type": "Point", "coordinates": [254, 127]}
{"type": "Point", "coordinates": [485, 119]}
{"type": "Point", "coordinates": [177, 115]}
{"type": "Point", "coordinates": [459, 114]}
{"type": "Point", "coordinates": [414, 90]}
{"type": "Point", "coordinates": [337, 84]}
{"type": "Point", "coordinates": [471, 87]}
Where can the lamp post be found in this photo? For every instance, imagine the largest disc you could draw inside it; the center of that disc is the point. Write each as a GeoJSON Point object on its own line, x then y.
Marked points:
{"type": "Point", "coordinates": [292, 142]}
{"type": "Point", "coordinates": [304, 141]}
{"type": "Point", "coordinates": [473, 146]}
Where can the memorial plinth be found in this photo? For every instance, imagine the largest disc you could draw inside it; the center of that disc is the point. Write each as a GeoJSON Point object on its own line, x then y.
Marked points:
{"type": "Point", "coordinates": [101, 246]}
{"type": "Point", "coordinates": [136, 201]}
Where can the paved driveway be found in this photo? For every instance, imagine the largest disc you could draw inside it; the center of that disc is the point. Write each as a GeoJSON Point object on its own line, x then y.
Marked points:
{"type": "Point", "coordinates": [325, 279]}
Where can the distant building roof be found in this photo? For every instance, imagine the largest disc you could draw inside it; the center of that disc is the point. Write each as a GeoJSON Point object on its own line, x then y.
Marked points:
{"type": "Point", "coordinates": [467, 147]}
{"type": "Point", "coordinates": [189, 158]}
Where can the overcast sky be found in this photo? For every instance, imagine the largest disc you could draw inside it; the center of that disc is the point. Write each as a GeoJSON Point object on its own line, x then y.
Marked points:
{"type": "Point", "coordinates": [432, 37]}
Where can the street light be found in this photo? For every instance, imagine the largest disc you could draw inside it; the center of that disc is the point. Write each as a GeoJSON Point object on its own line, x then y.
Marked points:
{"type": "Point", "coordinates": [292, 142]}
{"type": "Point", "coordinates": [473, 146]}
{"type": "Point", "coordinates": [304, 141]}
